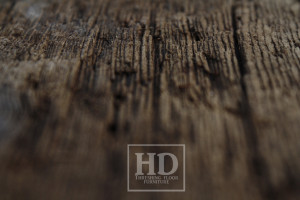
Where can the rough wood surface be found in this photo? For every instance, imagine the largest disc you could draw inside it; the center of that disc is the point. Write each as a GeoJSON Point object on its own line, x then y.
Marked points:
{"type": "Point", "coordinates": [79, 80]}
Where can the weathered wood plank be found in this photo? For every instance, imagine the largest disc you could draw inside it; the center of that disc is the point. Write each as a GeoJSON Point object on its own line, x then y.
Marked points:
{"type": "Point", "coordinates": [268, 36]}
{"type": "Point", "coordinates": [79, 80]}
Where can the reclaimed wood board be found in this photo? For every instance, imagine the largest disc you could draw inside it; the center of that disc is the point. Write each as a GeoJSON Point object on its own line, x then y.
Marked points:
{"type": "Point", "coordinates": [79, 80]}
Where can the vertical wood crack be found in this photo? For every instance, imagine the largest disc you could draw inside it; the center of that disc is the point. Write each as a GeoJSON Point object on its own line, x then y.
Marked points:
{"type": "Point", "coordinates": [256, 161]}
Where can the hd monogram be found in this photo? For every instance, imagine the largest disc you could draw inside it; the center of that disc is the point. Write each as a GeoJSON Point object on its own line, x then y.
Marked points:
{"type": "Point", "coordinates": [156, 168]}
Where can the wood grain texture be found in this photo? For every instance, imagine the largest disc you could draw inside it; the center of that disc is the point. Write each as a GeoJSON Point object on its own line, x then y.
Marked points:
{"type": "Point", "coordinates": [79, 80]}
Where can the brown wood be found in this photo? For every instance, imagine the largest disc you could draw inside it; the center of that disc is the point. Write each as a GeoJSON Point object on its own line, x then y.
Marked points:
{"type": "Point", "coordinates": [79, 80]}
